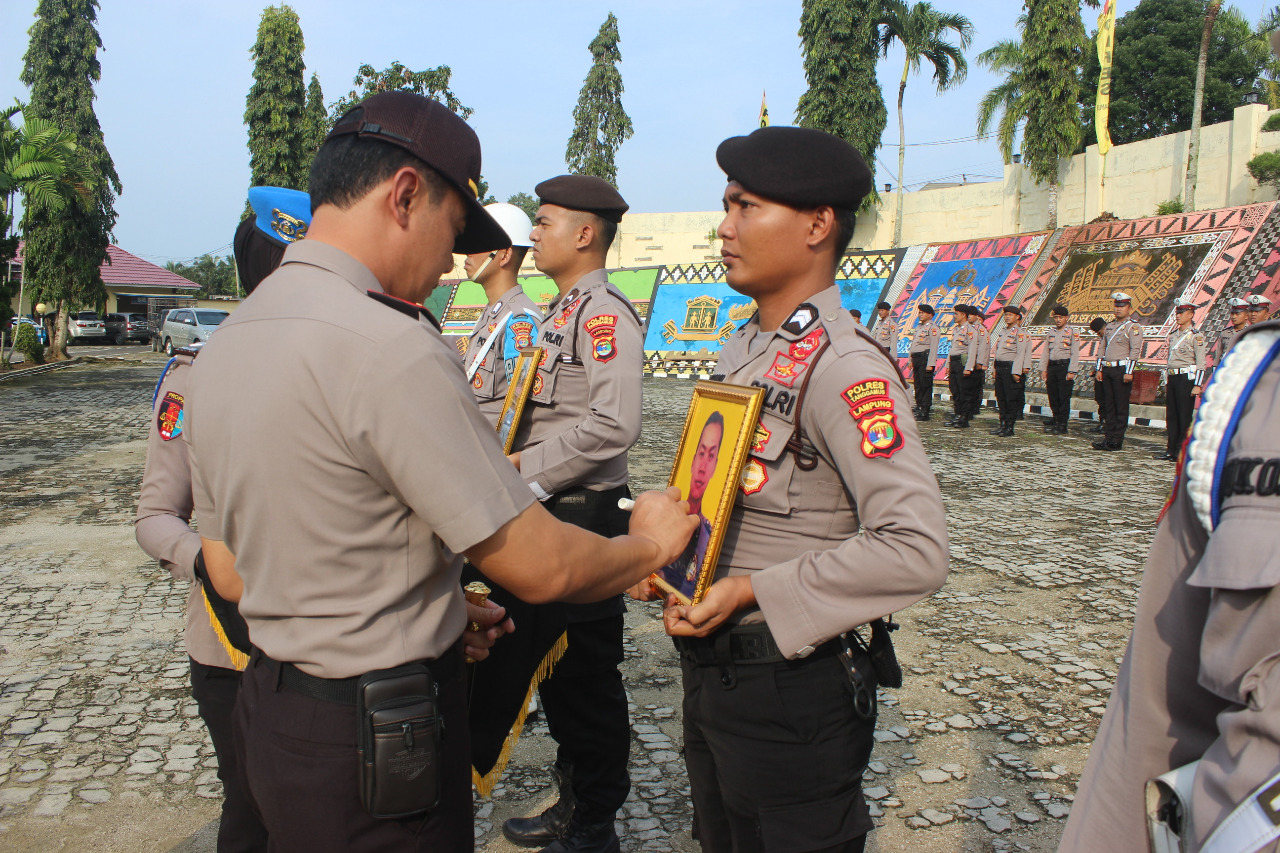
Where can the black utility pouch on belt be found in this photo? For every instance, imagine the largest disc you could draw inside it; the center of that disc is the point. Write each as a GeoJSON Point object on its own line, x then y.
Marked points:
{"type": "Point", "coordinates": [880, 651]}
{"type": "Point", "coordinates": [399, 734]}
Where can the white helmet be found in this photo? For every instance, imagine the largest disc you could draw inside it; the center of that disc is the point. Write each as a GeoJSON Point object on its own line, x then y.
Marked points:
{"type": "Point", "coordinates": [513, 220]}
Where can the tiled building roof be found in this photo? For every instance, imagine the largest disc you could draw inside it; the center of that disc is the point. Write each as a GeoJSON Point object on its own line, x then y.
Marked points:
{"type": "Point", "coordinates": [129, 270]}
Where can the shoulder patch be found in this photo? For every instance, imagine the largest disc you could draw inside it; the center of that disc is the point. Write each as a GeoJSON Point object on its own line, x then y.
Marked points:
{"type": "Point", "coordinates": [785, 370]}
{"type": "Point", "coordinates": [600, 322]}
{"type": "Point", "coordinates": [604, 345]}
{"type": "Point", "coordinates": [169, 416]}
{"type": "Point", "coordinates": [522, 330]}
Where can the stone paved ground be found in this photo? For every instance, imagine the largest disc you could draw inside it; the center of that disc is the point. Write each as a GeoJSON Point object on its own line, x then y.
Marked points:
{"type": "Point", "coordinates": [1008, 667]}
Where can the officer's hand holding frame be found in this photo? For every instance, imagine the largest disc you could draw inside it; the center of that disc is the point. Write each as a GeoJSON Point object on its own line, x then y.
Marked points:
{"type": "Point", "coordinates": [518, 390]}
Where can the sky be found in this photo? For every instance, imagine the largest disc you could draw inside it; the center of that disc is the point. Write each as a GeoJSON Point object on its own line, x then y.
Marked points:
{"type": "Point", "coordinates": [175, 75]}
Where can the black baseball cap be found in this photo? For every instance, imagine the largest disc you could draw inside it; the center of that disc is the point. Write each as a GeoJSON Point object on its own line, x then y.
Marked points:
{"type": "Point", "coordinates": [431, 132]}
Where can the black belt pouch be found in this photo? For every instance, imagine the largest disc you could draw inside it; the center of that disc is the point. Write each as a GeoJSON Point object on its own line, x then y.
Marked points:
{"type": "Point", "coordinates": [399, 735]}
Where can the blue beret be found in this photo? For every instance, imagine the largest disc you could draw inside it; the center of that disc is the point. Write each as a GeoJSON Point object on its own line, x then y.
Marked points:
{"type": "Point", "coordinates": [281, 214]}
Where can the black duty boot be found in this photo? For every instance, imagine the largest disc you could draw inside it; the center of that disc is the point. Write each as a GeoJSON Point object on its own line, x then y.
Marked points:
{"type": "Point", "coordinates": [544, 829]}
{"type": "Point", "coordinates": [1095, 430]}
{"type": "Point", "coordinates": [1008, 429]}
{"type": "Point", "coordinates": [999, 430]}
{"type": "Point", "coordinates": [586, 838]}
{"type": "Point", "coordinates": [963, 423]}
{"type": "Point", "coordinates": [924, 416]}
{"type": "Point", "coordinates": [951, 420]}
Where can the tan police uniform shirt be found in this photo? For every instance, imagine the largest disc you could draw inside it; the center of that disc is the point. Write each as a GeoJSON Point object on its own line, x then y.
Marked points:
{"type": "Point", "coordinates": [863, 533]}
{"type": "Point", "coordinates": [925, 338]}
{"type": "Point", "coordinates": [1200, 678]}
{"type": "Point", "coordinates": [337, 450]}
{"type": "Point", "coordinates": [1061, 345]}
{"type": "Point", "coordinates": [1226, 338]}
{"type": "Point", "coordinates": [489, 384]}
{"type": "Point", "coordinates": [961, 338]}
{"type": "Point", "coordinates": [979, 349]}
{"type": "Point", "coordinates": [165, 506]}
{"type": "Point", "coordinates": [584, 412]}
{"type": "Point", "coordinates": [1122, 344]}
{"type": "Point", "coordinates": [1012, 344]}
{"type": "Point", "coordinates": [886, 334]}
{"type": "Point", "coordinates": [1186, 354]}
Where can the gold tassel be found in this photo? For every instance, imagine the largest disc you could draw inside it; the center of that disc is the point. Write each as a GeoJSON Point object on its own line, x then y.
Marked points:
{"type": "Point", "coordinates": [239, 660]}
{"type": "Point", "coordinates": [484, 784]}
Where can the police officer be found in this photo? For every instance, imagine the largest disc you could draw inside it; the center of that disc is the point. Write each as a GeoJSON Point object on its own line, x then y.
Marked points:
{"type": "Point", "coordinates": [216, 636]}
{"type": "Point", "coordinates": [838, 520]}
{"type": "Point", "coordinates": [1199, 678]}
{"type": "Point", "coordinates": [1185, 378]}
{"type": "Point", "coordinates": [1011, 354]}
{"type": "Point", "coordinates": [886, 330]}
{"type": "Point", "coordinates": [583, 417]}
{"type": "Point", "coordinates": [1259, 308]}
{"type": "Point", "coordinates": [1059, 361]}
{"type": "Point", "coordinates": [975, 366]}
{"type": "Point", "coordinates": [1239, 322]}
{"type": "Point", "coordinates": [957, 354]}
{"type": "Point", "coordinates": [1098, 325]}
{"type": "Point", "coordinates": [924, 358]}
{"type": "Point", "coordinates": [856, 315]}
{"type": "Point", "coordinates": [510, 318]}
{"type": "Point", "coordinates": [1118, 356]}
{"type": "Point", "coordinates": [347, 477]}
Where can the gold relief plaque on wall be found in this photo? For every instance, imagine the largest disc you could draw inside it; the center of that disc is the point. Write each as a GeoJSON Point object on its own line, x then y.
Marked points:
{"type": "Point", "coordinates": [701, 314]}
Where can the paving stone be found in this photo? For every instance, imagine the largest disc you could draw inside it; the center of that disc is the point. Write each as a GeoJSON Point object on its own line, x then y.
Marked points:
{"type": "Point", "coordinates": [933, 777]}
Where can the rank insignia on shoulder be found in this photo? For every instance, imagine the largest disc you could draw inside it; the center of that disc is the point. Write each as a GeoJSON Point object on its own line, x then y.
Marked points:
{"type": "Point", "coordinates": [754, 476]}
{"type": "Point", "coordinates": [761, 437]}
{"type": "Point", "coordinates": [804, 347]}
{"type": "Point", "coordinates": [169, 416]}
{"type": "Point", "coordinates": [522, 330]}
{"type": "Point", "coordinates": [800, 319]}
{"type": "Point", "coordinates": [785, 370]}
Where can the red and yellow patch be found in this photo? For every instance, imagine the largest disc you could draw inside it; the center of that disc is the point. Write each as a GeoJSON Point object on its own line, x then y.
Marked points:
{"type": "Point", "coordinates": [537, 384]}
{"type": "Point", "coordinates": [604, 345]}
{"type": "Point", "coordinates": [564, 316]}
{"type": "Point", "coordinates": [604, 348]}
{"type": "Point", "coordinates": [523, 332]}
{"type": "Point", "coordinates": [872, 408]}
{"type": "Point", "coordinates": [462, 344]}
{"type": "Point", "coordinates": [865, 390]}
{"type": "Point", "coordinates": [601, 322]}
{"type": "Point", "coordinates": [761, 438]}
{"type": "Point", "coordinates": [754, 476]}
{"type": "Point", "coordinates": [785, 370]}
{"type": "Point", "coordinates": [477, 382]}
{"type": "Point", "coordinates": [493, 326]}
{"type": "Point", "coordinates": [806, 346]}
{"type": "Point", "coordinates": [169, 416]}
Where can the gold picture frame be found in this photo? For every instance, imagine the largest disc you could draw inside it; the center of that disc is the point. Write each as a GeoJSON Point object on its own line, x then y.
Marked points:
{"type": "Point", "coordinates": [519, 388]}
{"type": "Point", "coordinates": [700, 472]}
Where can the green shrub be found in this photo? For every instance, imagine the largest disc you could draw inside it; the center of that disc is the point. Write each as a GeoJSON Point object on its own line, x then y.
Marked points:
{"type": "Point", "coordinates": [1265, 168]}
{"type": "Point", "coordinates": [27, 342]}
{"type": "Point", "coordinates": [1170, 207]}
{"type": "Point", "coordinates": [1272, 122]}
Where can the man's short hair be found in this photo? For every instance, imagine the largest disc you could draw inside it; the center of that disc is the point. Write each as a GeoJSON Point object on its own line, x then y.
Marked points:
{"type": "Point", "coordinates": [714, 418]}
{"type": "Point", "coordinates": [347, 168]}
{"type": "Point", "coordinates": [517, 256]}
{"type": "Point", "coordinates": [846, 221]}
{"type": "Point", "coordinates": [604, 229]}
{"type": "Point", "coordinates": [1097, 324]}
{"type": "Point", "coordinates": [855, 312]}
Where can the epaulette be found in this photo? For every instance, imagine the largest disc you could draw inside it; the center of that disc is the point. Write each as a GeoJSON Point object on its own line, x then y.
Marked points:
{"type": "Point", "coordinates": [192, 349]}
{"type": "Point", "coordinates": [404, 306]}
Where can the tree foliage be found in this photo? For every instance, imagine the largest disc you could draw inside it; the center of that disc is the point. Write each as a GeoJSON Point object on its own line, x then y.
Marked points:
{"type": "Point", "coordinates": [276, 107]}
{"type": "Point", "coordinates": [600, 124]}
{"type": "Point", "coordinates": [840, 44]}
{"type": "Point", "coordinates": [431, 83]}
{"type": "Point", "coordinates": [525, 202]}
{"type": "Point", "coordinates": [1006, 99]}
{"type": "Point", "coordinates": [1154, 70]}
{"type": "Point", "coordinates": [317, 118]}
{"type": "Point", "coordinates": [1265, 169]}
{"type": "Point", "coordinates": [1054, 44]}
{"type": "Point", "coordinates": [65, 249]}
{"type": "Point", "coordinates": [215, 275]}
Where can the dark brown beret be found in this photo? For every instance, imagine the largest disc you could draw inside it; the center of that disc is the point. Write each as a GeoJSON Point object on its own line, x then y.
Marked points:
{"type": "Point", "coordinates": [1012, 309]}
{"type": "Point", "coordinates": [797, 166]}
{"type": "Point", "coordinates": [1060, 310]}
{"type": "Point", "coordinates": [583, 192]}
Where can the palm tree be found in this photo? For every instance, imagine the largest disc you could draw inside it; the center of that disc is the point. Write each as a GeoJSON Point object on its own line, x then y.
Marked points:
{"type": "Point", "coordinates": [1193, 144]}
{"type": "Point", "coordinates": [1004, 57]}
{"type": "Point", "coordinates": [922, 31]}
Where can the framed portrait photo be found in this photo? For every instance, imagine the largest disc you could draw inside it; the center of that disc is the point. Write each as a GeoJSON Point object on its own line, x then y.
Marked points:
{"type": "Point", "coordinates": [518, 389]}
{"type": "Point", "coordinates": [713, 449]}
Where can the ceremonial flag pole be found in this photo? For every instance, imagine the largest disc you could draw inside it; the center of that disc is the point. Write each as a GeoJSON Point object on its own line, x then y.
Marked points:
{"type": "Point", "coordinates": [1102, 105]}
{"type": "Point", "coordinates": [764, 110]}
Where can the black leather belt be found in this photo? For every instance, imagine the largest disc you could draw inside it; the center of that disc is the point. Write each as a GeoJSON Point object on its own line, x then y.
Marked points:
{"type": "Point", "coordinates": [1066, 361]}
{"type": "Point", "coordinates": [343, 690]}
{"type": "Point", "coordinates": [743, 645]}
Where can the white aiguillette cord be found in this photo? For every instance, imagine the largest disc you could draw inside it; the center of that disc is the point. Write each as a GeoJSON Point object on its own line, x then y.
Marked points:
{"type": "Point", "coordinates": [488, 345]}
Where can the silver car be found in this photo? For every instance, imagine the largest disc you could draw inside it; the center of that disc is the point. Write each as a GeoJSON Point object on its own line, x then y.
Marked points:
{"type": "Point", "coordinates": [186, 326]}
{"type": "Point", "coordinates": [85, 326]}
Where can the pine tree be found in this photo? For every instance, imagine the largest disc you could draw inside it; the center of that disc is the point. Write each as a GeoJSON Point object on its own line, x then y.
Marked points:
{"type": "Point", "coordinates": [65, 250]}
{"type": "Point", "coordinates": [840, 46]}
{"type": "Point", "coordinates": [317, 118]}
{"type": "Point", "coordinates": [601, 125]}
{"type": "Point", "coordinates": [1054, 46]}
{"type": "Point", "coordinates": [276, 107]}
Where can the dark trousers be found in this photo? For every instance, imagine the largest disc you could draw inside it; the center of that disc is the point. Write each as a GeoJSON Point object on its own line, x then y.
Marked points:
{"type": "Point", "coordinates": [1059, 388]}
{"type": "Point", "coordinates": [1010, 395]}
{"type": "Point", "coordinates": [1179, 408]}
{"type": "Point", "coordinates": [1099, 397]}
{"type": "Point", "coordinates": [214, 689]}
{"type": "Point", "coordinates": [775, 755]}
{"type": "Point", "coordinates": [955, 383]}
{"type": "Point", "coordinates": [922, 377]}
{"type": "Point", "coordinates": [1115, 402]}
{"type": "Point", "coordinates": [972, 390]}
{"type": "Point", "coordinates": [584, 700]}
{"type": "Point", "coordinates": [299, 757]}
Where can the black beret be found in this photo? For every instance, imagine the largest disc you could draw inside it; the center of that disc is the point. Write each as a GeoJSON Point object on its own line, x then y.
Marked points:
{"type": "Point", "coordinates": [884, 305]}
{"type": "Point", "coordinates": [256, 254]}
{"type": "Point", "coordinates": [1097, 324]}
{"type": "Point", "coordinates": [797, 166]}
{"type": "Point", "coordinates": [927, 309]}
{"type": "Point", "coordinates": [960, 308]}
{"type": "Point", "coordinates": [583, 192]}
{"type": "Point", "coordinates": [1060, 310]}
{"type": "Point", "coordinates": [974, 311]}
{"type": "Point", "coordinates": [1012, 309]}
{"type": "Point", "coordinates": [855, 312]}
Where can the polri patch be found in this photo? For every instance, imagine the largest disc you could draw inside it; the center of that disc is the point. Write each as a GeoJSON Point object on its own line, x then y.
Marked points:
{"type": "Point", "coordinates": [754, 476]}
{"type": "Point", "coordinates": [803, 348]}
{"type": "Point", "coordinates": [785, 370]}
{"type": "Point", "coordinates": [523, 332]}
{"type": "Point", "coordinates": [880, 435]}
{"type": "Point", "coordinates": [169, 416]}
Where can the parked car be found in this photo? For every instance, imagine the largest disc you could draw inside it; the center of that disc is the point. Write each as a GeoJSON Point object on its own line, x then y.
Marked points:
{"type": "Point", "coordinates": [86, 326]}
{"type": "Point", "coordinates": [185, 326]}
{"type": "Point", "coordinates": [41, 335]}
{"type": "Point", "coordinates": [122, 328]}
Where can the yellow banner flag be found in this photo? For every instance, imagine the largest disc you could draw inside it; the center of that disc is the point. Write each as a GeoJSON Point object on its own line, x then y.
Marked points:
{"type": "Point", "coordinates": [1106, 48]}
{"type": "Point", "coordinates": [764, 111]}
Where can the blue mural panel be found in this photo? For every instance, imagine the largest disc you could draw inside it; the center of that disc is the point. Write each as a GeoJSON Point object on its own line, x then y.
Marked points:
{"type": "Point", "coordinates": [862, 294]}
{"type": "Point", "coordinates": [943, 284]}
{"type": "Point", "coordinates": [692, 317]}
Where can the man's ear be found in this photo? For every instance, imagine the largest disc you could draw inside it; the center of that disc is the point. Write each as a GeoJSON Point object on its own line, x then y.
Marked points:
{"type": "Point", "coordinates": [584, 234]}
{"type": "Point", "coordinates": [406, 185]}
{"type": "Point", "coordinates": [503, 258]}
{"type": "Point", "coordinates": [822, 225]}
